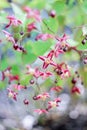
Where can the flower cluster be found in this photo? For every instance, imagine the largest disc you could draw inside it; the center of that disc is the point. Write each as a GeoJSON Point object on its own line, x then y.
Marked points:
{"type": "Point", "coordinates": [51, 68]}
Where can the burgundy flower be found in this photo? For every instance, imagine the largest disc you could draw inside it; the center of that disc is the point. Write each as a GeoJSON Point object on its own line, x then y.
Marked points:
{"type": "Point", "coordinates": [48, 59]}
{"type": "Point", "coordinates": [58, 50]}
{"type": "Point", "coordinates": [32, 13]}
{"type": "Point", "coordinates": [61, 45]}
{"type": "Point", "coordinates": [12, 94]}
{"type": "Point", "coordinates": [18, 87]}
{"type": "Point", "coordinates": [56, 88]}
{"type": "Point", "coordinates": [53, 104]}
{"type": "Point", "coordinates": [9, 37]}
{"type": "Point", "coordinates": [41, 96]}
{"type": "Point", "coordinates": [31, 27]}
{"type": "Point", "coordinates": [62, 70]}
{"type": "Point", "coordinates": [6, 73]}
{"type": "Point", "coordinates": [41, 111]}
{"type": "Point", "coordinates": [44, 37]}
{"type": "Point", "coordinates": [13, 21]}
{"type": "Point", "coordinates": [45, 75]}
{"type": "Point", "coordinates": [63, 38]}
{"type": "Point", "coordinates": [13, 77]}
{"type": "Point", "coordinates": [35, 72]}
{"type": "Point", "coordinates": [75, 89]}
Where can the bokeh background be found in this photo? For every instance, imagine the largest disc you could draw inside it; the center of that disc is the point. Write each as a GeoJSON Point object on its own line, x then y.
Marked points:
{"type": "Point", "coordinates": [71, 17]}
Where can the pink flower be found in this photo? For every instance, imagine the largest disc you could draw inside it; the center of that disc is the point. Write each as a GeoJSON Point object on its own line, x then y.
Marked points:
{"type": "Point", "coordinates": [6, 73]}
{"type": "Point", "coordinates": [45, 74]}
{"type": "Point", "coordinates": [53, 104]}
{"type": "Point", "coordinates": [58, 50]}
{"type": "Point", "coordinates": [13, 77]}
{"type": "Point", "coordinates": [35, 72]}
{"type": "Point", "coordinates": [31, 27]}
{"type": "Point", "coordinates": [9, 36]}
{"type": "Point", "coordinates": [56, 88]}
{"type": "Point", "coordinates": [32, 13]}
{"type": "Point", "coordinates": [63, 38]}
{"type": "Point", "coordinates": [18, 87]}
{"type": "Point", "coordinates": [75, 89]}
{"type": "Point", "coordinates": [62, 70]}
{"type": "Point", "coordinates": [41, 96]}
{"type": "Point", "coordinates": [12, 94]}
{"type": "Point", "coordinates": [48, 59]}
{"type": "Point", "coordinates": [43, 37]}
{"type": "Point", "coordinates": [41, 111]}
{"type": "Point", "coordinates": [13, 21]}
{"type": "Point", "coordinates": [61, 45]}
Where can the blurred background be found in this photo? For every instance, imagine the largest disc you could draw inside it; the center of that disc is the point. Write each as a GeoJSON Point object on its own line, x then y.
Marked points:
{"type": "Point", "coordinates": [70, 18]}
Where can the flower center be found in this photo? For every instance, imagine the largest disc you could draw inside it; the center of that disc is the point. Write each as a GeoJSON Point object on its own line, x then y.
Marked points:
{"type": "Point", "coordinates": [48, 61]}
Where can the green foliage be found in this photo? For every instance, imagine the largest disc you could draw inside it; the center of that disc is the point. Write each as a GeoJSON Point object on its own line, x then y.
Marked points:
{"type": "Point", "coordinates": [52, 23]}
{"type": "Point", "coordinates": [59, 6]}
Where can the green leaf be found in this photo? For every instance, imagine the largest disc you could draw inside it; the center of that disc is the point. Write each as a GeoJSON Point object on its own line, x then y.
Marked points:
{"type": "Point", "coordinates": [15, 69]}
{"type": "Point", "coordinates": [29, 57]}
{"type": "Point", "coordinates": [4, 64]}
{"type": "Point", "coordinates": [61, 20]}
{"type": "Point", "coordinates": [59, 6]}
{"type": "Point", "coordinates": [84, 6]}
{"type": "Point", "coordinates": [82, 47]}
{"type": "Point", "coordinates": [40, 47]}
{"type": "Point", "coordinates": [19, 13]}
{"type": "Point", "coordinates": [4, 4]}
{"type": "Point", "coordinates": [52, 24]}
{"type": "Point", "coordinates": [24, 79]}
{"type": "Point", "coordinates": [37, 4]}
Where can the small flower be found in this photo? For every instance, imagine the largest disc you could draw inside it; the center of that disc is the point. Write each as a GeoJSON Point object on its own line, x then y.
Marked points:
{"type": "Point", "coordinates": [45, 75]}
{"type": "Point", "coordinates": [48, 59]}
{"type": "Point", "coordinates": [62, 70]}
{"type": "Point", "coordinates": [35, 72]}
{"type": "Point", "coordinates": [43, 37]}
{"type": "Point", "coordinates": [41, 96]}
{"type": "Point", "coordinates": [61, 45]}
{"type": "Point", "coordinates": [13, 77]}
{"type": "Point", "coordinates": [12, 94]}
{"type": "Point", "coordinates": [13, 21]}
{"type": "Point", "coordinates": [6, 73]}
{"type": "Point", "coordinates": [9, 37]}
{"type": "Point", "coordinates": [31, 27]}
{"type": "Point", "coordinates": [75, 89]}
{"type": "Point", "coordinates": [31, 13]}
{"type": "Point", "coordinates": [56, 88]}
{"type": "Point", "coordinates": [57, 51]}
{"type": "Point", "coordinates": [18, 87]}
{"type": "Point", "coordinates": [53, 104]}
{"type": "Point", "coordinates": [63, 38]}
{"type": "Point", "coordinates": [41, 111]}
